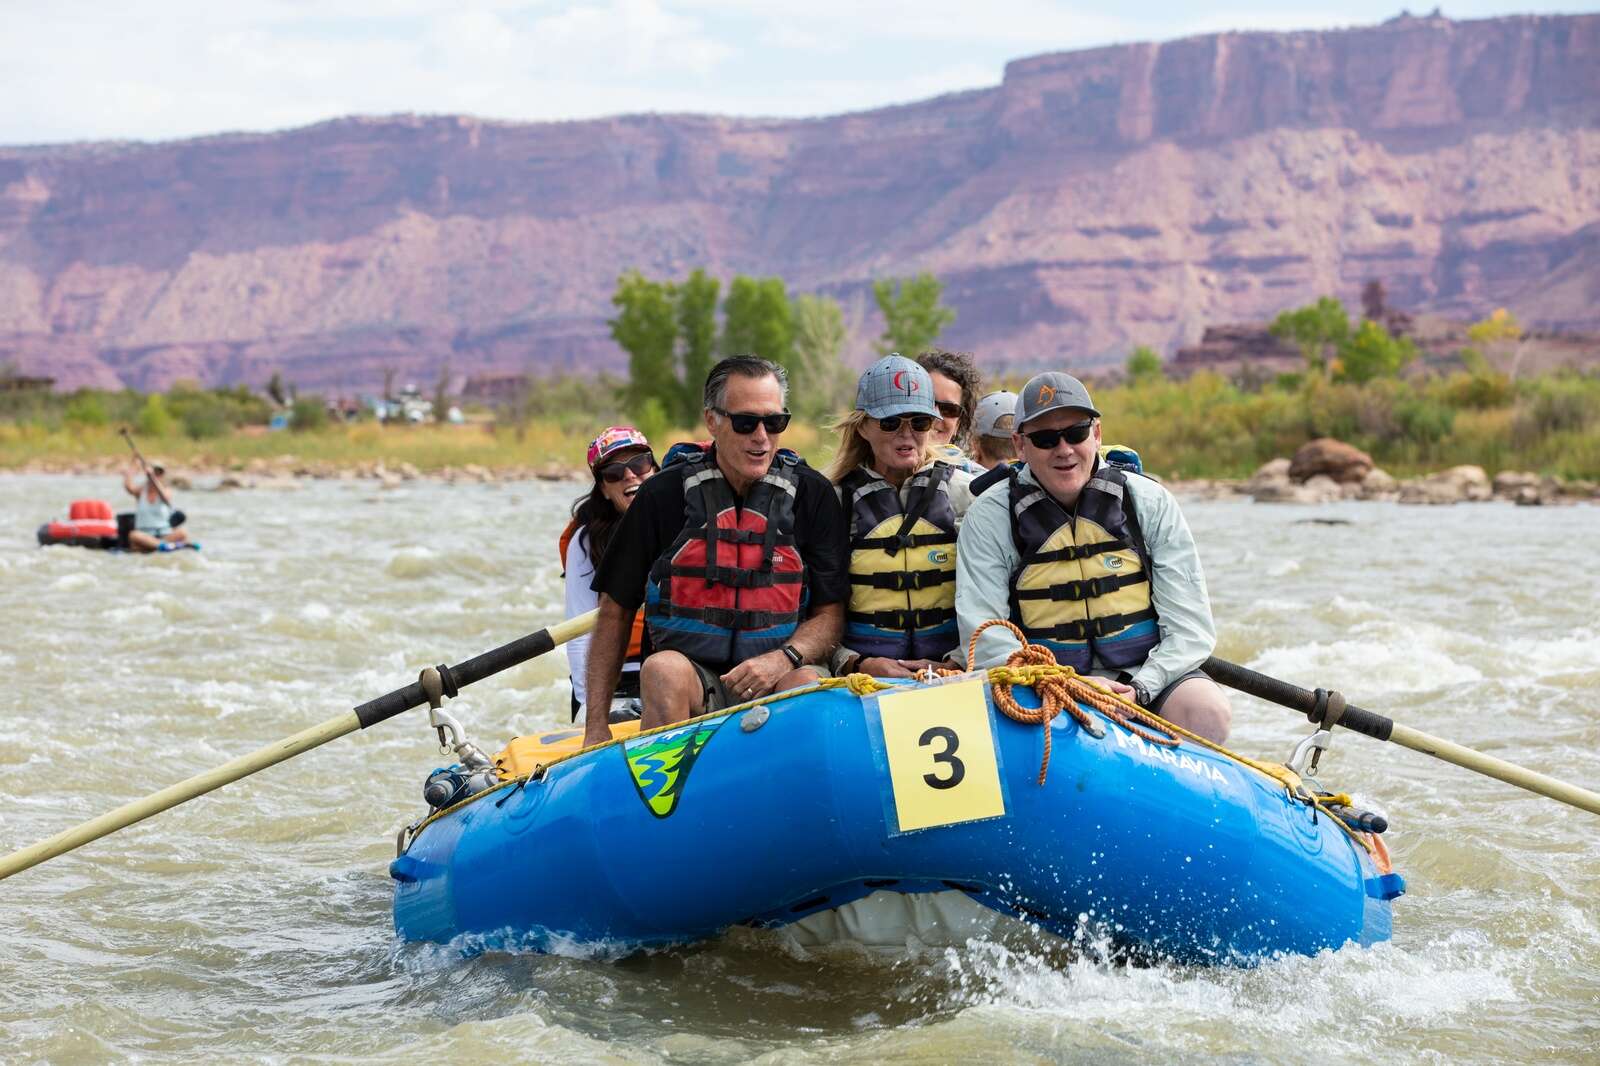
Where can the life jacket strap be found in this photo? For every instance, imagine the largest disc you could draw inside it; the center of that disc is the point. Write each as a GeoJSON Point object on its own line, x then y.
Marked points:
{"type": "Point", "coordinates": [904, 580]}
{"type": "Point", "coordinates": [894, 544]}
{"type": "Point", "coordinates": [1088, 588]}
{"type": "Point", "coordinates": [905, 620]}
{"type": "Point", "coordinates": [730, 617]}
{"type": "Point", "coordinates": [1075, 551]}
{"type": "Point", "coordinates": [1080, 629]}
{"type": "Point", "coordinates": [737, 578]}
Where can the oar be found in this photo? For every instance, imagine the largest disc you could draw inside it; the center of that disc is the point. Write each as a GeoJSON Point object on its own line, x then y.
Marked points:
{"type": "Point", "coordinates": [177, 517]}
{"type": "Point", "coordinates": [452, 679]}
{"type": "Point", "coordinates": [1328, 708]}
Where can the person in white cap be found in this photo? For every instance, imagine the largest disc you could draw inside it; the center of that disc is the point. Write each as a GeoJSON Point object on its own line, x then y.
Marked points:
{"type": "Point", "coordinates": [904, 504]}
{"type": "Point", "coordinates": [1092, 561]}
{"type": "Point", "coordinates": [991, 430]}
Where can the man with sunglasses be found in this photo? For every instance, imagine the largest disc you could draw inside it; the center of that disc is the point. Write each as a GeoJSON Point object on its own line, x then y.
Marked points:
{"type": "Point", "coordinates": [737, 554]}
{"type": "Point", "coordinates": [1091, 560]}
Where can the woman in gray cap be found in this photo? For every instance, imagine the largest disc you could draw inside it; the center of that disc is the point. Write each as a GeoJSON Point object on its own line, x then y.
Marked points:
{"type": "Point", "coordinates": [903, 503]}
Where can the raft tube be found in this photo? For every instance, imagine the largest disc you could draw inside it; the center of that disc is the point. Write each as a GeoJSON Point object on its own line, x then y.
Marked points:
{"type": "Point", "coordinates": [825, 801]}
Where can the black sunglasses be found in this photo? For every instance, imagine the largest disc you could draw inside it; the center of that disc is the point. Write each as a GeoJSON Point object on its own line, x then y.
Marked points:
{"type": "Point", "coordinates": [745, 424]}
{"type": "Point", "coordinates": [640, 464]}
{"type": "Point", "coordinates": [950, 410]}
{"type": "Point", "coordinates": [919, 423]}
{"type": "Point", "coordinates": [1045, 439]}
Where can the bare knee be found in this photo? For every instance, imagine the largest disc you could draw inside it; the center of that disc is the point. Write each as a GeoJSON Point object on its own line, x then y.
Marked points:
{"type": "Point", "coordinates": [670, 689]}
{"type": "Point", "coordinates": [1200, 706]}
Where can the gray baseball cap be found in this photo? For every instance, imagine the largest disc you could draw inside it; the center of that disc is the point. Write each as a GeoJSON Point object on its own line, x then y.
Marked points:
{"type": "Point", "coordinates": [895, 385]}
{"type": "Point", "coordinates": [1052, 391]}
{"type": "Point", "coordinates": [996, 415]}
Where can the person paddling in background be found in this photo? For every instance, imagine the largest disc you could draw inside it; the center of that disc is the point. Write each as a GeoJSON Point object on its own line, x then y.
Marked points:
{"type": "Point", "coordinates": [956, 387]}
{"type": "Point", "coordinates": [1092, 561]}
{"type": "Point", "coordinates": [903, 504]}
{"type": "Point", "coordinates": [991, 430]}
{"type": "Point", "coordinates": [621, 461]}
{"type": "Point", "coordinates": [152, 514]}
{"type": "Point", "coordinates": [736, 552]}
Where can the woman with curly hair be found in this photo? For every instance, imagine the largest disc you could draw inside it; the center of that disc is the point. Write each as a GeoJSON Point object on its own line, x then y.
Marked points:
{"type": "Point", "coordinates": [956, 388]}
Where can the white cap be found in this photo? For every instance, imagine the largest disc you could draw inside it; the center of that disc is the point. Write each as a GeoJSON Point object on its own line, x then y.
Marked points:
{"type": "Point", "coordinates": [995, 415]}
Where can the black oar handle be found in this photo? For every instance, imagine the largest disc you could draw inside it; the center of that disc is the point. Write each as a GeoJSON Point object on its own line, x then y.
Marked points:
{"type": "Point", "coordinates": [147, 472]}
{"type": "Point", "coordinates": [1312, 704]}
{"type": "Point", "coordinates": [457, 677]}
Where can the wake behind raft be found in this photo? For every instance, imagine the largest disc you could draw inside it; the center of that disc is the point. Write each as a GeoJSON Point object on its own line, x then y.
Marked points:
{"type": "Point", "coordinates": [865, 810]}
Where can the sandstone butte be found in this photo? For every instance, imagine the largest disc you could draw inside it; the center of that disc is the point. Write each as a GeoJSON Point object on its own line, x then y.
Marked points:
{"type": "Point", "coordinates": [1092, 201]}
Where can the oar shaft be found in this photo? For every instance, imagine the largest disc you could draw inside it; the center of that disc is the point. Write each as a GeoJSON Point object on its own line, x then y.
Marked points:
{"type": "Point", "coordinates": [1510, 773]}
{"type": "Point", "coordinates": [384, 707]}
{"type": "Point", "coordinates": [182, 792]}
{"type": "Point", "coordinates": [147, 471]}
{"type": "Point", "coordinates": [1378, 727]}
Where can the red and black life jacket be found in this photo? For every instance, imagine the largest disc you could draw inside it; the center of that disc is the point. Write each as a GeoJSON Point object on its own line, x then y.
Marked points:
{"type": "Point", "coordinates": [1082, 587]}
{"type": "Point", "coordinates": [732, 585]}
{"type": "Point", "coordinates": [902, 565]}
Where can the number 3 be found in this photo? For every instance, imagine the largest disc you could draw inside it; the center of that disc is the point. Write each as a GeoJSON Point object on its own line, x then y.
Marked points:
{"type": "Point", "coordinates": [958, 769]}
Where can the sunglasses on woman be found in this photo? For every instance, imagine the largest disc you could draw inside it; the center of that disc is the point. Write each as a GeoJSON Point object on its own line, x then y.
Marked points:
{"type": "Point", "coordinates": [1045, 439]}
{"type": "Point", "coordinates": [640, 465]}
{"type": "Point", "coordinates": [919, 423]}
{"type": "Point", "coordinates": [950, 410]}
{"type": "Point", "coordinates": [745, 424]}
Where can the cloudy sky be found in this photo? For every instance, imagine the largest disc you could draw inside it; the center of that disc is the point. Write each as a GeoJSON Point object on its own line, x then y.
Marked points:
{"type": "Point", "coordinates": [159, 69]}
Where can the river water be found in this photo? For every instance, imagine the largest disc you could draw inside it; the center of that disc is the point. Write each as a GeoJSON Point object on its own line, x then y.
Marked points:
{"type": "Point", "coordinates": [254, 923]}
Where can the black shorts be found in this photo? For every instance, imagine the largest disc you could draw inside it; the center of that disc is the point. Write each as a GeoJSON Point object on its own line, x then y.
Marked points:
{"type": "Point", "coordinates": [1161, 697]}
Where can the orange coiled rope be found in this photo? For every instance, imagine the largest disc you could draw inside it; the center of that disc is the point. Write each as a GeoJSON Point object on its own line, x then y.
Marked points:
{"type": "Point", "coordinates": [1060, 688]}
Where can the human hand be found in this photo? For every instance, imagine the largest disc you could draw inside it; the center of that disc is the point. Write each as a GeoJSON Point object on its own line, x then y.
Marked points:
{"type": "Point", "coordinates": [878, 666]}
{"type": "Point", "coordinates": [1125, 691]}
{"type": "Point", "coordinates": [918, 667]}
{"type": "Point", "coordinates": [595, 731]}
{"type": "Point", "coordinates": [757, 676]}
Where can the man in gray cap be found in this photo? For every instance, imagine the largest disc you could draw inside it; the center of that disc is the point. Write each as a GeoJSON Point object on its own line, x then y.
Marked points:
{"type": "Point", "coordinates": [1092, 561]}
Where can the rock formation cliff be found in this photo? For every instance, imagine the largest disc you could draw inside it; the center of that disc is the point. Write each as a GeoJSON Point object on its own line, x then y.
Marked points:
{"type": "Point", "coordinates": [1092, 201]}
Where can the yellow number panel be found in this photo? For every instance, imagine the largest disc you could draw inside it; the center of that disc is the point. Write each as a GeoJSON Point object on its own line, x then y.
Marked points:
{"type": "Point", "coordinates": [940, 748]}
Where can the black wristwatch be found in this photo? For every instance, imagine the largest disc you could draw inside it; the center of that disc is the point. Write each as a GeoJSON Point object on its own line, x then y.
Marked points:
{"type": "Point", "coordinates": [794, 655]}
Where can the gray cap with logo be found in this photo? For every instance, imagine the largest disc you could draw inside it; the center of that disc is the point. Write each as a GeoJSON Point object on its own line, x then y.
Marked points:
{"type": "Point", "coordinates": [1052, 391]}
{"type": "Point", "coordinates": [895, 385]}
{"type": "Point", "coordinates": [996, 415]}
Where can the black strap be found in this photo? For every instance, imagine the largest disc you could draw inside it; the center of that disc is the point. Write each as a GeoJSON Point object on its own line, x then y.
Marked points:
{"type": "Point", "coordinates": [925, 618]}
{"type": "Point", "coordinates": [894, 544]}
{"type": "Point", "coordinates": [1088, 628]}
{"type": "Point", "coordinates": [904, 580]}
{"type": "Point", "coordinates": [919, 508]}
{"type": "Point", "coordinates": [1085, 589]}
{"type": "Point", "coordinates": [1074, 551]}
{"type": "Point", "coordinates": [738, 578]}
{"type": "Point", "coordinates": [731, 617]}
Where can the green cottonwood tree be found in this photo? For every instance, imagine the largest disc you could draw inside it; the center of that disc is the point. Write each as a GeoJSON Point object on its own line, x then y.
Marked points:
{"type": "Point", "coordinates": [646, 327]}
{"type": "Point", "coordinates": [1144, 366]}
{"type": "Point", "coordinates": [913, 317]}
{"type": "Point", "coordinates": [696, 303]}
{"type": "Point", "coordinates": [1373, 352]}
{"type": "Point", "coordinates": [757, 318]}
{"type": "Point", "coordinates": [1319, 329]}
{"type": "Point", "coordinates": [820, 376]}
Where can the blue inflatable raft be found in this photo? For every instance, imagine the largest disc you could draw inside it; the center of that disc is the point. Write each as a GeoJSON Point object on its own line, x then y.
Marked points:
{"type": "Point", "coordinates": [815, 808]}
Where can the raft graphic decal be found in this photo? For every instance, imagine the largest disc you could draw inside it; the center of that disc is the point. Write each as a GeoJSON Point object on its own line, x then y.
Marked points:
{"type": "Point", "coordinates": [660, 763]}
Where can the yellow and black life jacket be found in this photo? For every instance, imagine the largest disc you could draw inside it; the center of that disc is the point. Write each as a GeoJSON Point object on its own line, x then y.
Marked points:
{"type": "Point", "coordinates": [1083, 585]}
{"type": "Point", "coordinates": [733, 584]}
{"type": "Point", "coordinates": [902, 565]}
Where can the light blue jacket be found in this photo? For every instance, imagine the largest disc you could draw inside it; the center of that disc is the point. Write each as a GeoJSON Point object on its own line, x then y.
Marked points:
{"type": "Point", "coordinates": [986, 558]}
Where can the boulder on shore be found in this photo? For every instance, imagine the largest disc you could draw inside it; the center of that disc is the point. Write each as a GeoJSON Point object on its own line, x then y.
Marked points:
{"type": "Point", "coordinates": [1342, 462]}
{"type": "Point", "coordinates": [1456, 485]}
